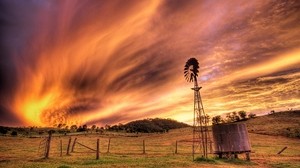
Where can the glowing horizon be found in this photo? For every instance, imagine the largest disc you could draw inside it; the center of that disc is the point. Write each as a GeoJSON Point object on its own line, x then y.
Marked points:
{"type": "Point", "coordinates": [106, 62]}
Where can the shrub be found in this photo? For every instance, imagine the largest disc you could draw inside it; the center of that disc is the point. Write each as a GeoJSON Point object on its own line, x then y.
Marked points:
{"type": "Point", "coordinates": [14, 133]}
{"type": "Point", "coordinates": [3, 130]}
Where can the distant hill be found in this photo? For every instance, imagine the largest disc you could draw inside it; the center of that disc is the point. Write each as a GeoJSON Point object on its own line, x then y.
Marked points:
{"type": "Point", "coordinates": [153, 125]}
{"type": "Point", "coordinates": [280, 123]}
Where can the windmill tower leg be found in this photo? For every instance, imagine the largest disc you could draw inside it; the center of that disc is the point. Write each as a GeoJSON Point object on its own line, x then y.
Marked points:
{"type": "Point", "coordinates": [200, 131]}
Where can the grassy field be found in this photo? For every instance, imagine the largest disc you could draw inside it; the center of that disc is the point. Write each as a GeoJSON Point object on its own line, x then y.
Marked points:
{"type": "Point", "coordinates": [126, 151]}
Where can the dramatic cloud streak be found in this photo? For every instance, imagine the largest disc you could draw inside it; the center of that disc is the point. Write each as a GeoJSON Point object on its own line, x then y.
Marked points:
{"type": "Point", "coordinates": [104, 62]}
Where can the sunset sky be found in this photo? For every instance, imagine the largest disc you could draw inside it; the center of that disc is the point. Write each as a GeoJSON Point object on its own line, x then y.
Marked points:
{"type": "Point", "coordinates": [109, 62]}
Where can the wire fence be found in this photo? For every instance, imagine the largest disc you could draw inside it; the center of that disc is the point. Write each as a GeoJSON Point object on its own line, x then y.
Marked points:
{"type": "Point", "coordinates": [93, 145]}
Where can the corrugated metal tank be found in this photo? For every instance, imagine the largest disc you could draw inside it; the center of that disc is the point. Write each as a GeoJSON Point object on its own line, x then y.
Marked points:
{"type": "Point", "coordinates": [231, 138]}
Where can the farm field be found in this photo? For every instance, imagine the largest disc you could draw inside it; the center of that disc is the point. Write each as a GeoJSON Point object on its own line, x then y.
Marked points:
{"type": "Point", "coordinates": [127, 151]}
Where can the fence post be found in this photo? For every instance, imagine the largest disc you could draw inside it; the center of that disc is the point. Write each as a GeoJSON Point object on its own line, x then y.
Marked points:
{"type": "Point", "coordinates": [60, 148]}
{"type": "Point", "coordinates": [48, 145]}
{"type": "Point", "coordinates": [68, 148]}
{"type": "Point", "coordinates": [108, 146]}
{"type": "Point", "coordinates": [176, 147]}
{"type": "Point", "coordinates": [144, 150]}
{"type": "Point", "coordinates": [74, 142]}
{"type": "Point", "coordinates": [97, 151]}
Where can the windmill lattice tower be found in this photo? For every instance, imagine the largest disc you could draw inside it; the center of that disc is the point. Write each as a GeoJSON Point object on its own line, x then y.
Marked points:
{"type": "Point", "coordinates": [201, 136]}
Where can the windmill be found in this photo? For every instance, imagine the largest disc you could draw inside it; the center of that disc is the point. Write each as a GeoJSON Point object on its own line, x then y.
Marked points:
{"type": "Point", "coordinates": [200, 130]}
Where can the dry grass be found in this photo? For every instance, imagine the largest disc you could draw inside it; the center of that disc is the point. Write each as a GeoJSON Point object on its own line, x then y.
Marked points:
{"type": "Point", "coordinates": [127, 152]}
{"type": "Point", "coordinates": [280, 123]}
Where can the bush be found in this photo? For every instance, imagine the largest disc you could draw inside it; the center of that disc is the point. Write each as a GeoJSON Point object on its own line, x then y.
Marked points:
{"type": "Point", "coordinates": [251, 115]}
{"type": "Point", "coordinates": [3, 130]}
{"type": "Point", "coordinates": [14, 133]}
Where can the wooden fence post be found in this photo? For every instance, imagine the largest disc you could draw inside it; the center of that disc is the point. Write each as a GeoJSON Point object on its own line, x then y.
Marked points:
{"type": "Point", "coordinates": [144, 150]}
{"type": "Point", "coordinates": [68, 148]}
{"type": "Point", "coordinates": [74, 142]}
{"type": "Point", "coordinates": [48, 145]}
{"type": "Point", "coordinates": [97, 151]}
{"type": "Point", "coordinates": [176, 147]}
{"type": "Point", "coordinates": [60, 148]}
{"type": "Point", "coordinates": [108, 146]}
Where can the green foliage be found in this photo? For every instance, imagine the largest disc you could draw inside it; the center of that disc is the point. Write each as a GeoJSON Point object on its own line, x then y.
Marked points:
{"type": "Point", "coordinates": [206, 160]}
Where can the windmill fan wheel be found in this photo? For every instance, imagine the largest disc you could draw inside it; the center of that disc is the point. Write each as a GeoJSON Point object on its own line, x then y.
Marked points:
{"type": "Point", "coordinates": [191, 69]}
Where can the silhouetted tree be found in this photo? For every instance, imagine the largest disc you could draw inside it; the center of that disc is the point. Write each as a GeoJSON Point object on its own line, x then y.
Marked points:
{"type": "Point", "coordinates": [14, 133]}
{"type": "Point", "coordinates": [216, 120]}
{"type": "Point", "coordinates": [206, 119]}
{"type": "Point", "coordinates": [272, 112]}
{"type": "Point", "coordinates": [235, 116]}
{"type": "Point", "coordinates": [79, 129]}
{"type": "Point", "coordinates": [84, 127]}
{"type": "Point", "coordinates": [93, 128]}
{"type": "Point", "coordinates": [73, 127]}
{"type": "Point", "coordinates": [243, 115]}
{"type": "Point", "coordinates": [3, 130]}
{"type": "Point", "coordinates": [107, 127]}
{"type": "Point", "coordinates": [59, 126]}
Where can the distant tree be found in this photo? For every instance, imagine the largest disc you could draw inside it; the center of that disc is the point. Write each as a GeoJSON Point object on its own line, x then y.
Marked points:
{"type": "Point", "coordinates": [229, 118]}
{"type": "Point", "coordinates": [14, 133]}
{"type": "Point", "coordinates": [84, 127]}
{"type": "Point", "coordinates": [67, 127]}
{"type": "Point", "coordinates": [73, 127]}
{"type": "Point", "coordinates": [206, 119]}
{"type": "Point", "coordinates": [59, 126]}
{"type": "Point", "coordinates": [3, 130]}
{"type": "Point", "coordinates": [93, 128]}
{"type": "Point", "coordinates": [242, 115]}
{"type": "Point", "coordinates": [235, 116]}
{"type": "Point", "coordinates": [79, 129]}
{"type": "Point", "coordinates": [272, 112]}
{"type": "Point", "coordinates": [251, 115]}
{"type": "Point", "coordinates": [216, 120]}
{"type": "Point", "coordinates": [107, 127]}
{"type": "Point", "coordinates": [232, 117]}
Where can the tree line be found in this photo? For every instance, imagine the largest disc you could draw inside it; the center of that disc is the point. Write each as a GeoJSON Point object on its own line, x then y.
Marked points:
{"type": "Point", "coordinates": [232, 117]}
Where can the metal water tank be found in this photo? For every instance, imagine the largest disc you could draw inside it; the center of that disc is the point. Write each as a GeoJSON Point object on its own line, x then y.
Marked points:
{"type": "Point", "coordinates": [231, 138]}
